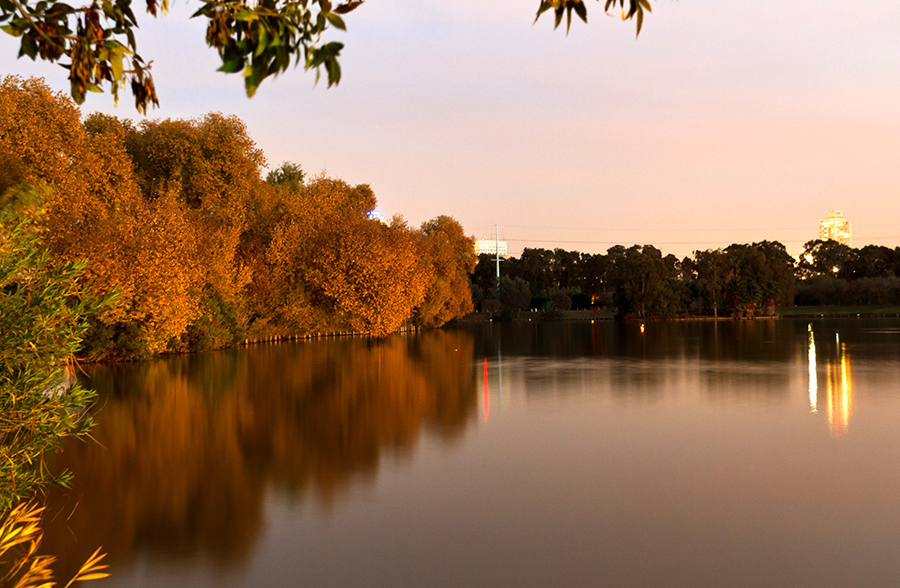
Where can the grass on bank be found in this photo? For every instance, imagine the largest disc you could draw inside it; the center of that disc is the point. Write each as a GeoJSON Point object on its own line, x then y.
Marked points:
{"type": "Point", "coordinates": [794, 311]}
{"type": "Point", "coordinates": [834, 310]}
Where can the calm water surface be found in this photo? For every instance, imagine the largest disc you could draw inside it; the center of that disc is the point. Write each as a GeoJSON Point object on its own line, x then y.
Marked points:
{"type": "Point", "coordinates": [699, 454]}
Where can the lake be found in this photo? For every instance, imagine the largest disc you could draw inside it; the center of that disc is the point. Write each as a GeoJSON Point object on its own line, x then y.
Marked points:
{"type": "Point", "coordinates": [752, 453]}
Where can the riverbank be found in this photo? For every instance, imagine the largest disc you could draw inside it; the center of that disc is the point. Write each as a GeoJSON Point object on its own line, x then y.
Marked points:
{"type": "Point", "coordinates": [534, 315]}
{"type": "Point", "coordinates": [789, 312]}
{"type": "Point", "coordinates": [874, 310]}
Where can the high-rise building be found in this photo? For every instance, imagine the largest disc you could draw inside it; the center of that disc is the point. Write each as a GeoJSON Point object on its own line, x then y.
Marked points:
{"type": "Point", "coordinates": [835, 227]}
{"type": "Point", "coordinates": [490, 246]}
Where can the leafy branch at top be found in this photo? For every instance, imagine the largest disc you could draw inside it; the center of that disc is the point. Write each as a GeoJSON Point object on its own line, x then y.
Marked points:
{"type": "Point", "coordinates": [565, 8]}
{"type": "Point", "coordinates": [96, 42]}
{"type": "Point", "coordinates": [255, 38]}
{"type": "Point", "coordinates": [262, 39]}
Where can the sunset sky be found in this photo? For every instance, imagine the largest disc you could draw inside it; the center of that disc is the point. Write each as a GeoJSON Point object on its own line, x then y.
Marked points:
{"type": "Point", "coordinates": [726, 121]}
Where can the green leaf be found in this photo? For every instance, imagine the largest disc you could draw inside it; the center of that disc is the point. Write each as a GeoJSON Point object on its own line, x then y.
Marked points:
{"type": "Point", "coordinates": [58, 9]}
{"type": "Point", "coordinates": [334, 71]}
{"type": "Point", "coordinates": [544, 7]}
{"type": "Point", "coordinates": [29, 46]}
{"type": "Point", "coordinates": [581, 11]}
{"type": "Point", "coordinates": [233, 65]}
{"type": "Point", "coordinates": [640, 21]}
{"type": "Point", "coordinates": [11, 29]}
{"type": "Point", "coordinates": [115, 62]}
{"type": "Point", "coordinates": [261, 41]}
{"type": "Point", "coordinates": [336, 21]}
{"type": "Point", "coordinates": [110, 12]}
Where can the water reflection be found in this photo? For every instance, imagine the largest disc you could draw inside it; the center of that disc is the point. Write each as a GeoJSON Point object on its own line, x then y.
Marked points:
{"type": "Point", "coordinates": [326, 463]}
{"type": "Point", "coordinates": [763, 340]}
{"type": "Point", "coordinates": [840, 393]}
{"type": "Point", "coordinates": [188, 447]}
{"type": "Point", "coordinates": [838, 384]}
{"type": "Point", "coordinates": [813, 381]}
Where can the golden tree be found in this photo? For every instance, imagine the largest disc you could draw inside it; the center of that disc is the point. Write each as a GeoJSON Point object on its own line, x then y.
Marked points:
{"type": "Point", "coordinates": [452, 258]}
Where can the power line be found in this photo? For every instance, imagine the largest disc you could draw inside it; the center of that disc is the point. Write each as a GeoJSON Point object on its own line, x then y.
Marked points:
{"type": "Point", "coordinates": [654, 243]}
{"type": "Point", "coordinates": [688, 230]}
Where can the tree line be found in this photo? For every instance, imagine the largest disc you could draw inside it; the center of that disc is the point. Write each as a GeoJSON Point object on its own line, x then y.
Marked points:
{"type": "Point", "coordinates": [195, 250]}
{"type": "Point", "coordinates": [836, 274]}
{"type": "Point", "coordinates": [741, 280]}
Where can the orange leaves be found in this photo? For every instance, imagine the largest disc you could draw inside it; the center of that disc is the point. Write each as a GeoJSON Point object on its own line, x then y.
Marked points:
{"type": "Point", "coordinates": [174, 213]}
{"type": "Point", "coordinates": [452, 257]}
{"type": "Point", "coordinates": [356, 273]}
{"type": "Point", "coordinates": [371, 274]}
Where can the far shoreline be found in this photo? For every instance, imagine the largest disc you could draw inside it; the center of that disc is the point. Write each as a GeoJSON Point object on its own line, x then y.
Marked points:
{"type": "Point", "coordinates": [799, 312]}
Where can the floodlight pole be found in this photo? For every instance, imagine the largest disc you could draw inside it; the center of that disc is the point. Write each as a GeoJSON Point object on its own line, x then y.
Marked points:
{"type": "Point", "coordinates": [497, 251]}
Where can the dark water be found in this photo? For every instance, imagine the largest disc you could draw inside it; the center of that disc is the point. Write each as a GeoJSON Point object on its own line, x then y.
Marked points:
{"type": "Point", "coordinates": [568, 454]}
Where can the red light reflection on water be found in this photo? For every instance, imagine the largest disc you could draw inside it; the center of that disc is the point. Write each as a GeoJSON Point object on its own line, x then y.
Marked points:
{"type": "Point", "coordinates": [487, 400]}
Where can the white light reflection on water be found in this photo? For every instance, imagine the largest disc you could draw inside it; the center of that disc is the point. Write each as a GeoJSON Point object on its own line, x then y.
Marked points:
{"type": "Point", "coordinates": [813, 384]}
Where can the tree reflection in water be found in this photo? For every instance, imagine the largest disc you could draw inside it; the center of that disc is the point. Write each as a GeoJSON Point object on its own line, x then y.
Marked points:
{"type": "Point", "coordinates": [187, 447]}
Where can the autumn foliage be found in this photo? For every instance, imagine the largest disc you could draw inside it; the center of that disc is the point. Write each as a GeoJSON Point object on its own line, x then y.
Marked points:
{"type": "Point", "coordinates": [176, 218]}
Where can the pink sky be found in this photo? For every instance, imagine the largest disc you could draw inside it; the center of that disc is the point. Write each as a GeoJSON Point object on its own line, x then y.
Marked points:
{"type": "Point", "coordinates": [726, 121]}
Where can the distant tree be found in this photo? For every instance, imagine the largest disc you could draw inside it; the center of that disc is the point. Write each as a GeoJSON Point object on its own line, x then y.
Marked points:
{"type": "Point", "coordinates": [745, 295]}
{"type": "Point", "coordinates": [561, 300]}
{"type": "Point", "coordinates": [485, 273]}
{"type": "Point", "coordinates": [674, 292]}
{"type": "Point", "coordinates": [871, 261]}
{"type": "Point", "coordinates": [514, 293]}
{"type": "Point", "coordinates": [780, 270]}
{"type": "Point", "coordinates": [580, 301]}
{"type": "Point", "coordinates": [477, 295]}
{"type": "Point", "coordinates": [824, 258]}
{"type": "Point", "coordinates": [534, 266]}
{"type": "Point", "coordinates": [328, 266]}
{"type": "Point", "coordinates": [713, 271]}
{"type": "Point", "coordinates": [565, 268]}
{"type": "Point", "coordinates": [639, 280]}
{"type": "Point", "coordinates": [368, 273]}
{"type": "Point", "coordinates": [290, 175]}
{"type": "Point", "coordinates": [451, 257]}
{"type": "Point", "coordinates": [593, 276]}
{"type": "Point", "coordinates": [492, 306]}
{"type": "Point", "coordinates": [765, 262]}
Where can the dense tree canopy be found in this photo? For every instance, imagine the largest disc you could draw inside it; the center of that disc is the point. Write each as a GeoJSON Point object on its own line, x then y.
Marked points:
{"type": "Point", "coordinates": [640, 282]}
{"type": "Point", "coordinates": [175, 218]}
{"type": "Point", "coordinates": [452, 259]}
{"type": "Point", "coordinates": [95, 41]}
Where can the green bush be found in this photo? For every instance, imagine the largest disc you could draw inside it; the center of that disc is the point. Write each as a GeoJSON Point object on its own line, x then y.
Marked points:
{"type": "Point", "coordinates": [42, 320]}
